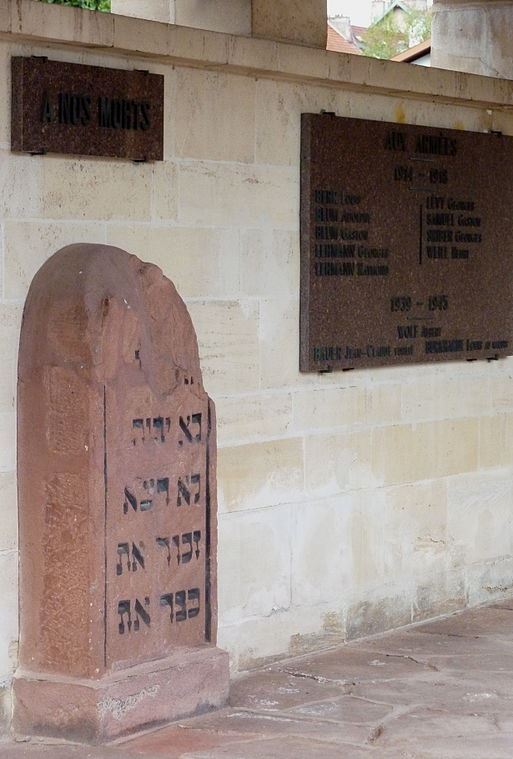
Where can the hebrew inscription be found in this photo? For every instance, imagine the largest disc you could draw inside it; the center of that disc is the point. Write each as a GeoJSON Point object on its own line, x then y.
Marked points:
{"type": "Point", "coordinates": [121, 556]}
{"type": "Point", "coordinates": [157, 517]}
{"type": "Point", "coordinates": [117, 504]}
{"type": "Point", "coordinates": [406, 251]}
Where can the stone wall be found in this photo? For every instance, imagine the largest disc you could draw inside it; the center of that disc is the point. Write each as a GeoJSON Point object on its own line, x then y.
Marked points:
{"type": "Point", "coordinates": [230, 16]}
{"type": "Point", "coordinates": [349, 503]}
{"type": "Point", "coordinates": [299, 21]}
{"type": "Point", "coordinates": [473, 36]}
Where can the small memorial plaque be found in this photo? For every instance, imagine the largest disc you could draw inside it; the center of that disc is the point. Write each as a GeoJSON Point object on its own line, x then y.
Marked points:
{"type": "Point", "coordinates": [68, 108]}
{"type": "Point", "coordinates": [406, 244]}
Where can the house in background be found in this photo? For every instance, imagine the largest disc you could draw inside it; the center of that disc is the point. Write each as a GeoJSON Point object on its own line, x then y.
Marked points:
{"type": "Point", "coordinates": [380, 8]}
{"type": "Point", "coordinates": [398, 11]}
{"type": "Point", "coordinates": [419, 54]}
{"type": "Point", "coordinates": [343, 37]}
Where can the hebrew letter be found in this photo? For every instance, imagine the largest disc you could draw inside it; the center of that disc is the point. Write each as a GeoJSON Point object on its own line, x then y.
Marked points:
{"type": "Point", "coordinates": [196, 536]}
{"type": "Point", "coordinates": [167, 600]}
{"type": "Point", "coordinates": [176, 543]}
{"type": "Point", "coordinates": [187, 541]}
{"type": "Point", "coordinates": [163, 487]}
{"type": "Point", "coordinates": [123, 549]}
{"type": "Point", "coordinates": [187, 426]}
{"type": "Point", "coordinates": [124, 608]}
{"type": "Point", "coordinates": [194, 595]}
{"type": "Point", "coordinates": [141, 614]}
{"type": "Point", "coordinates": [181, 603]}
{"type": "Point", "coordinates": [131, 500]}
{"type": "Point", "coordinates": [137, 556]}
{"type": "Point", "coordinates": [164, 543]}
{"type": "Point", "coordinates": [196, 480]}
{"type": "Point", "coordinates": [147, 503]}
{"type": "Point", "coordinates": [184, 494]}
{"type": "Point", "coordinates": [186, 485]}
{"type": "Point", "coordinates": [158, 426]}
{"type": "Point", "coordinates": [138, 426]}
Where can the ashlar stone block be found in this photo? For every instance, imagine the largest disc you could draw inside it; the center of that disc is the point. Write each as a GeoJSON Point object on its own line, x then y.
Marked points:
{"type": "Point", "coordinates": [299, 21]}
{"type": "Point", "coordinates": [117, 501]}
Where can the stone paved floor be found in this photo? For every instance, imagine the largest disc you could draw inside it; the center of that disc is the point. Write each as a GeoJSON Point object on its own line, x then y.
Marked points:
{"type": "Point", "coordinates": [441, 690]}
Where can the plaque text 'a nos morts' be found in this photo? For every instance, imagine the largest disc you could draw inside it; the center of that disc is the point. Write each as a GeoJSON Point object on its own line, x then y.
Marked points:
{"type": "Point", "coordinates": [117, 502]}
{"type": "Point", "coordinates": [406, 244]}
{"type": "Point", "coordinates": [69, 108]}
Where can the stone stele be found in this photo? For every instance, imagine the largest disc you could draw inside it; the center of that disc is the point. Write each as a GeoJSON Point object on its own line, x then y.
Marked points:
{"type": "Point", "coordinates": [117, 503]}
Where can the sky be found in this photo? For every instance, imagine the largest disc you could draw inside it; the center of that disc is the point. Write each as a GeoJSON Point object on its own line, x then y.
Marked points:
{"type": "Point", "coordinates": [358, 10]}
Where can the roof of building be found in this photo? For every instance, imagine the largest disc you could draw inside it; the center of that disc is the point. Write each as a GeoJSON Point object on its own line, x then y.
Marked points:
{"type": "Point", "coordinates": [397, 4]}
{"type": "Point", "coordinates": [413, 53]}
{"type": "Point", "coordinates": [338, 44]}
{"type": "Point", "coordinates": [358, 31]}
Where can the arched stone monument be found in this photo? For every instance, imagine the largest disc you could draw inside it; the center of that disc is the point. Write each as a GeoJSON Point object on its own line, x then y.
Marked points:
{"type": "Point", "coordinates": [117, 503]}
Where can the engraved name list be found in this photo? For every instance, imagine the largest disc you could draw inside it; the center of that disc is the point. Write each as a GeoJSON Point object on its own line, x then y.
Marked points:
{"type": "Point", "coordinates": [405, 244]}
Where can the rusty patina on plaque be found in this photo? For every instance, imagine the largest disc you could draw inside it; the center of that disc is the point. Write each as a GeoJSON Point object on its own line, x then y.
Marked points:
{"type": "Point", "coordinates": [406, 244]}
{"type": "Point", "coordinates": [68, 108]}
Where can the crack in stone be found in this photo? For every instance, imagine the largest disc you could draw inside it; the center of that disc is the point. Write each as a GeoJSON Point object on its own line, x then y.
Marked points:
{"type": "Point", "coordinates": [416, 661]}
{"type": "Point", "coordinates": [345, 685]}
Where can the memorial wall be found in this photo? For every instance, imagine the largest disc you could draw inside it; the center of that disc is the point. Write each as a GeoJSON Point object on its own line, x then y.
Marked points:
{"type": "Point", "coordinates": [349, 501]}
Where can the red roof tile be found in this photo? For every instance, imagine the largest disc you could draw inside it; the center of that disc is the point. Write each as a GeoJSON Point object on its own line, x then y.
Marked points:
{"type": "Point", "coordinates": [359, 31]}
{"type": "Point", "coordinates": [338, 44]}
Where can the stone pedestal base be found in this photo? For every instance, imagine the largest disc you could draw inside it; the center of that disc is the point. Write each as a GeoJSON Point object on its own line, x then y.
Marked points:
{"type": "Point", "coordinates": [190, 681]}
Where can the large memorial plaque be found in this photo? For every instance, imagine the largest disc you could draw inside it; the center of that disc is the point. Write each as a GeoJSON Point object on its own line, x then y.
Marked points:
{"type": "Point", "coordinates": [117, 497]}
{"type": "Point", "coordinates": [406, 244]}
{"type": "Point", "coordinates": [69, 108]}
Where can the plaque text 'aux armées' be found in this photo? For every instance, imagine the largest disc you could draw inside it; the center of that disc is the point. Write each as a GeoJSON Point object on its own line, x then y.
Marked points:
{"type": "Point", "coordinates": [406, 246]}
{"type": "Point", "coordinates": [69, 108]}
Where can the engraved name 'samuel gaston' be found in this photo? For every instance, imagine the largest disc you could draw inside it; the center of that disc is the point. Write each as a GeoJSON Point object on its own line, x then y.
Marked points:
{"type": "Point", "coordinates": [117, 469]}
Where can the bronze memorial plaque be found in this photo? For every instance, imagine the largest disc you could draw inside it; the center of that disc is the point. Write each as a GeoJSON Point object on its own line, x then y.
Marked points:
{"type": "Point", "coordinates": [68, 108]}
{"type": "Point", "coordinates": [406, 244]}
